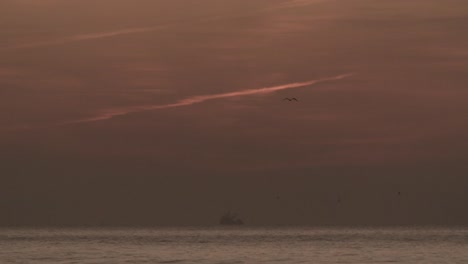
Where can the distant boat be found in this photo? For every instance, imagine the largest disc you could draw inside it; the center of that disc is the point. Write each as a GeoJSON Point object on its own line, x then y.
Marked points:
{"type": "Point", "coordinates": [230, 218]}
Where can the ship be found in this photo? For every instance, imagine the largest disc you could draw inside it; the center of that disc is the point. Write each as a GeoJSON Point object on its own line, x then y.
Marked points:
{"type": "Point", "coordinates": [230, 218]}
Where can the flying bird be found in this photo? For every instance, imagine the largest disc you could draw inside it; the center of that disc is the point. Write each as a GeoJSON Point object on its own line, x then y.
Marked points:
{"type": "Point", "coordinates": [291, 99]}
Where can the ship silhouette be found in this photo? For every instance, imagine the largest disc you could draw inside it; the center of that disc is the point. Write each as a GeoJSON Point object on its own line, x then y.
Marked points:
{"type": "Point", "coordinates": [230, 218]}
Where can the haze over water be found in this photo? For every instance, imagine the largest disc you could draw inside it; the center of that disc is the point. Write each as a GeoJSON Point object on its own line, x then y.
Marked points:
{"type": "Point", "coordinates": [235, 245]}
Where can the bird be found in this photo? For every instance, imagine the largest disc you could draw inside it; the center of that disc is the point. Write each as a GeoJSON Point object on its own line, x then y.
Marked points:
{"type": "Point", "coordinates": [291, 99]}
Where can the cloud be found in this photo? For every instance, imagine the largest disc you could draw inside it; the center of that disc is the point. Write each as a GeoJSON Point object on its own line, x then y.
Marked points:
{"type": "Point", "coordinates": [84, 37]}
{"type": "Point", "coordinates": [298, 3]}
{"type": "Point", "coordinates": [108, 114]}
{"type": "Point", "coordinates": [128, 31]}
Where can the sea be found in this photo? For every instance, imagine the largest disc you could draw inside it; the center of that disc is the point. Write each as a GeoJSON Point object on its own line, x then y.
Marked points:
{"type": "Point", "coordinates": [234, 245]}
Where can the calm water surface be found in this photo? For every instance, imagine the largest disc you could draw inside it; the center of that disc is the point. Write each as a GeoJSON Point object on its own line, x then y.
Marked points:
{"type": "Point", "coordinates": [234, 245]}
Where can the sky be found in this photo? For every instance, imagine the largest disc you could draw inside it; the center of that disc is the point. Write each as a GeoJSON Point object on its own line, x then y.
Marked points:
{"type": "Point", "coordinates": [153, 112]}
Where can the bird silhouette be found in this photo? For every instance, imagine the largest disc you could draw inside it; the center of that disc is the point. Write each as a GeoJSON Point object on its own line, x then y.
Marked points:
{"type": "Point", "coordinates": [290, 99]}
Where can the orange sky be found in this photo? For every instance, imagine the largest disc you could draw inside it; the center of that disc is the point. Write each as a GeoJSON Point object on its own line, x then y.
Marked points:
{"type": "Point", "coordinates": [387, 112]}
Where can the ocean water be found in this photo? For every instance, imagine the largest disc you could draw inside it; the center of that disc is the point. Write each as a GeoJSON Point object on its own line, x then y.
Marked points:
{"type": "Point", "coordinates": [234, 245]}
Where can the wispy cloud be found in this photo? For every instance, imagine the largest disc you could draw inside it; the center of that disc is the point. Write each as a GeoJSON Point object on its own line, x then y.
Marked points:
{"type": "Point", "coordinates": [108, 114]}
{"type": "Point", "coordinates": [84, 37]}
{"type": "Point", "coordinates": [128, 31]}
{"type": "Point", "coordinates": [298, 3]}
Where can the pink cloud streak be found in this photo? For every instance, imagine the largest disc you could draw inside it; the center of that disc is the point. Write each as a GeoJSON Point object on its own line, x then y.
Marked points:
{"type": "Point", "coordinates": [127, 31]}
{"type": "Point", "coordinates": [108, 114]}
{"type": "Point", "coordinates": [84, 37]}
